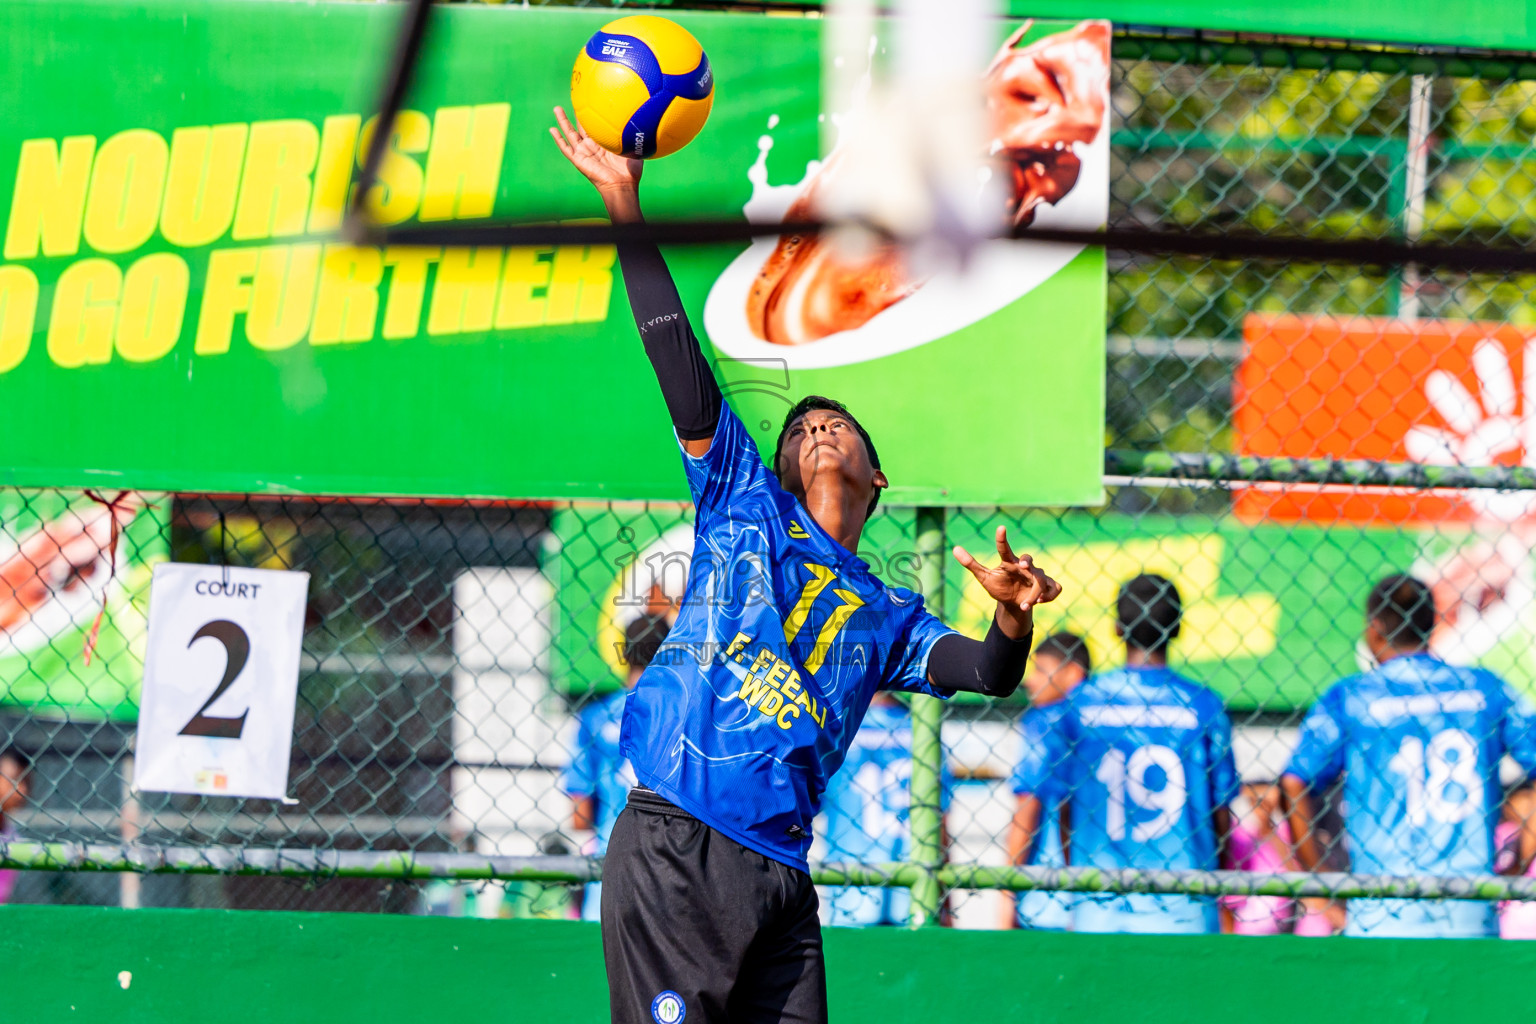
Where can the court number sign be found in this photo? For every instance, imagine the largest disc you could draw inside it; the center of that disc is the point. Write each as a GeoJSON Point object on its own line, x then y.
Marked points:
{"type": "Point", "coordinates": [221, 673]}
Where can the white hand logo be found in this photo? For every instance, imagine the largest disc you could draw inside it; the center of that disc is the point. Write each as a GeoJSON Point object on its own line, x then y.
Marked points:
{"type": "Point", "coordinates": [1478, 429]}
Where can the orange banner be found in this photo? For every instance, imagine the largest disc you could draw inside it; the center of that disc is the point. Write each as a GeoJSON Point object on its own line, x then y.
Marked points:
{"type": "Point", "coordinates": [1444, 392]}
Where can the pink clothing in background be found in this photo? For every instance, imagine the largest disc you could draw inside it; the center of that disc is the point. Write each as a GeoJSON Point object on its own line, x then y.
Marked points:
{"type": "Point", "coordinates": [1258, 915]}
{"type": "Point", "coordinates": [1315, 926]}
{"type": "Point", "coordinates": [1517, 918]}
{"type": "Point", "coordinates": [7, 877]}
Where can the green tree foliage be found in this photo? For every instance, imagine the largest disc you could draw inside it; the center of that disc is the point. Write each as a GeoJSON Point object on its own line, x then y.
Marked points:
{"type": "Point", "coordinates": [1311, 153]}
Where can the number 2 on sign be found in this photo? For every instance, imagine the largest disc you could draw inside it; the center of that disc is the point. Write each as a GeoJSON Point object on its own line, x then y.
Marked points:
{"type": "Point", "coordinates": [821, 577]}
{"type": "Point", "coordinates": [237, 651]}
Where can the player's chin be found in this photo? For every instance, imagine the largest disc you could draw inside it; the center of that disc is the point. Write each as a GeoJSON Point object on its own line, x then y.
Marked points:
{"type": "Point", "coordinates": [822, 458]}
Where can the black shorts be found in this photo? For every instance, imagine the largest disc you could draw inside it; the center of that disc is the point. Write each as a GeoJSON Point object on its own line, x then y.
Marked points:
{"type": "Point", "coordinates": [698, 928]}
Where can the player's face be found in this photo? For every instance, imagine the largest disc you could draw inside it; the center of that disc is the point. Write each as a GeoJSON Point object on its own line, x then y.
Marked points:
{"type": "Point", "coordinates": [823, 444]}
{"type": "Point", "coordinates": [1051, 679]}
{"type": "Point", "coordinates": [13, 785]}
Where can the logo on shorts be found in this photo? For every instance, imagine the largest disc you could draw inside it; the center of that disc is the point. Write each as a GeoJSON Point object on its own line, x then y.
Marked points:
{"type": "Point", "coordinates": [668, 1008]}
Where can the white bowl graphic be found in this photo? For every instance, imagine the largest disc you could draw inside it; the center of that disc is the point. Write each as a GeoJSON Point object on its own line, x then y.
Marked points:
{"type": "Point", "coordinates": [997, 274]}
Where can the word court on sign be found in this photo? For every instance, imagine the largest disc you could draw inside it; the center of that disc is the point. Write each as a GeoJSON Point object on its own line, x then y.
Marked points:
{"type": "Point", "coordinates": [221, 588]}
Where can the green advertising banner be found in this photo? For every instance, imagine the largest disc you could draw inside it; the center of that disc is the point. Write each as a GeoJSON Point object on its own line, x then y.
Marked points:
{"type": "Point", "coordinates": [1272, 613]}
{"type": "Point", "coordinates": [177, 313]}
{"type": "Point", "coordinates": [74, 591]}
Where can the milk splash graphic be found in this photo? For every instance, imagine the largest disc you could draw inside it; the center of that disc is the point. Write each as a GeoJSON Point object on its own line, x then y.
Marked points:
{"type": "Point", "coordinates": [998, 274]}
{"type": "Point", "coordinates": [769, 203]}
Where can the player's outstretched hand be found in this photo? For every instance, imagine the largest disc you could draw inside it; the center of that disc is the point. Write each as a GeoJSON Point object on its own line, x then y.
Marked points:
{"type": "Point", "coordinates": [608, 171]}
{"type": "Point", "coordinates": [1015, 584]}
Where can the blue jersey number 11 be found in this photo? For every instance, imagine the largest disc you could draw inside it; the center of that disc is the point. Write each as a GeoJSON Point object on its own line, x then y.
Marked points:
{"type": "Point", "coordinates": [821, 578]}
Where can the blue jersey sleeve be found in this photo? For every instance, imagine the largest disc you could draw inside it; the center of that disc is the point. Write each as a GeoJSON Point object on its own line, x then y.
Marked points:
{"type": "Point", "coordinates": [580, 776]}
{"type": "Point", "coordinates": [1519, 728]}
{"type": "Point", "coordinates": [728, 471]}
{"type": "Point", "coordinates": [1224, 779]}
{"type": "Point", "coordinates": [908, 668]}
{"type": "Point", "coordinates": [1319, 755]}
{"type": "Point", "coordinates": [1043, 762]}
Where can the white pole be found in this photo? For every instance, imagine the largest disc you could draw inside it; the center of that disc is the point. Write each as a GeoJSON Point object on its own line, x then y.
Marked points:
{"type": "Point", "coordinates": [1418, 188]}
{"type": "Point", "coordinates": [127, 881]}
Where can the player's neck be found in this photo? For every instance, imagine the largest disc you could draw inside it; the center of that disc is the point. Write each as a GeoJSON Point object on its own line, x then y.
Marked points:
{"type": "Point", "coordinates": [1386, 654]}
{"type": "Point", "coordinates": [837, 510]}
{"type": "Point", "coordinates": [1135, 657]}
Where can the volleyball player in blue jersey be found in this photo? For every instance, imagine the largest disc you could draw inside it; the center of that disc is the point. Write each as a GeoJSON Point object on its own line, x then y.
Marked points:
{"type": "Point", "coordinates": [783, 637]}
{"type": "Point", "coordinates": [1143, 759]}
{"type": "Point", "coordinates": [598, 778]}
{"type": "Point", "coordinates": [1035, 836]}
{"type": "Point", "coordinates": [1419, 744]}
{"type": "Point", "coordinates": [868, 811]}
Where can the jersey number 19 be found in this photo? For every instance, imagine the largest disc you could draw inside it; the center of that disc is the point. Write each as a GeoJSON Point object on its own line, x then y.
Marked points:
{"type": "Point", "coordinates": [1126, 779]}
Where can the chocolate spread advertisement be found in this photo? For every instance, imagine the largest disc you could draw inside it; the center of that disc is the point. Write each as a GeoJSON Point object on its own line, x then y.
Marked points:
{"type": "Point", "coordinates": [179, 312]}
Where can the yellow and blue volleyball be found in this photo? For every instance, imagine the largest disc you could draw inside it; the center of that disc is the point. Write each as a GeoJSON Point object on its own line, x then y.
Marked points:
{"type": "Point", "coordinates": [642, 87]}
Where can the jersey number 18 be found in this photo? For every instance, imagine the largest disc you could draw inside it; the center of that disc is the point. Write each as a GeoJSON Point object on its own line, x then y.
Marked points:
{"type": "Point", "coordinates": [1450, 760]}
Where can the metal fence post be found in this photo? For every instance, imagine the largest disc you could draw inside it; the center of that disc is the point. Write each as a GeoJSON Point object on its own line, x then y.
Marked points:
{"type": "Point", "coordinates": [926, 817]}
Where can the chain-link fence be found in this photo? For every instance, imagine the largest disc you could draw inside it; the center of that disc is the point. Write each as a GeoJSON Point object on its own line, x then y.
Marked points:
{"type": "Point", "coordinates": [463, 663]}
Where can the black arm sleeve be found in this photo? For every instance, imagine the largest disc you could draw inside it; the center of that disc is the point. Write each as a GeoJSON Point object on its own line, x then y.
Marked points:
{"type": "Point", "coordinates": [687, 382]}
{"type": "Point", "coordinates": [993, 667]}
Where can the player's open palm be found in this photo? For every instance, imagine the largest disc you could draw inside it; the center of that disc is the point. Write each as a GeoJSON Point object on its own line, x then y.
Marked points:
{"type": "Point", "coordinates": [604, 169]}
{"type": "Point", "coordinates": [1015, 582]}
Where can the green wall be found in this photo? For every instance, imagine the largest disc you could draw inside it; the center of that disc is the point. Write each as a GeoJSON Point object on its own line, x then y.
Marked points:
{"type": "Point", "coordinates": [224, 967]}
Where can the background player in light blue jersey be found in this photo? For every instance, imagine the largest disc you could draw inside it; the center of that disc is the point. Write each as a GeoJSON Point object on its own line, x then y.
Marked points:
{"type": "Point", "coordinates": [783, 637]}
{"type": "Point", "coordinates": [867, 805]}
{"type": "Point", "coordinates": [599, 777]}
{"type": "Point", "coordinates": [1061, 662]}
{"type": "Point", "coordinates": [1418, 743]}
{"type": "Point", "coordinates": [1143, 758]}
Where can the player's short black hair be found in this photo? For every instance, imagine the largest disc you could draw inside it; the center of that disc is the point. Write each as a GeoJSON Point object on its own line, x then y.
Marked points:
{"type": "Point", "coordinates": [1148, 611]}
{"type": "Point", "coordinates": [1067, 647]}
{"type": "Point", "coordinates": [1403, 609]}
{"type": "Point", "coordinates": [813, 402]}
{"type": "Point", "coordinates": [642, 638]}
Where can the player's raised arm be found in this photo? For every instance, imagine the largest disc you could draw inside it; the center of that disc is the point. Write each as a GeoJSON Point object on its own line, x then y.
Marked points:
{"type": "Point", "coordinates": [687, 383]}
{"type": "Point", "coordinates": [994, 666]}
